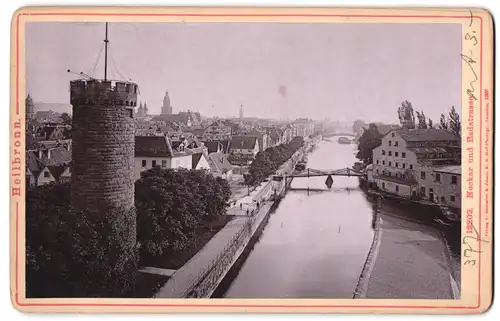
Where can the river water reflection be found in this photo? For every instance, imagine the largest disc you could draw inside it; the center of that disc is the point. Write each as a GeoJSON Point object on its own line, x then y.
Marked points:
{"type": "Point", "coordinates": [315, 244]}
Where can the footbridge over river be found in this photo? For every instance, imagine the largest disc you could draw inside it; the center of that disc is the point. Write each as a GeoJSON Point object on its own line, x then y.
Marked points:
{"type": "Point", "coordinates": [310, 172]}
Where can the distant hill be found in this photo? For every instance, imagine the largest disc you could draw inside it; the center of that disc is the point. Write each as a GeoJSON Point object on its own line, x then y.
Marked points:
{"type": "Point", "coordinates": [55, 107]}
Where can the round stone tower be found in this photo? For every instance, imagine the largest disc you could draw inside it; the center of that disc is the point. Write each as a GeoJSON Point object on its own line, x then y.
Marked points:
{"type": "Point", "coordinates": [102, 186]}
{"type": "Point", "coordinates": [103, 145]}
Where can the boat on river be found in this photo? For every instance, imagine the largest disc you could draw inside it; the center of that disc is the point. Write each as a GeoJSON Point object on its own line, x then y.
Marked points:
{"type": "Point", "coordinates": [344, 140]}
{"type": "Point", "coordinates": [300, 166]}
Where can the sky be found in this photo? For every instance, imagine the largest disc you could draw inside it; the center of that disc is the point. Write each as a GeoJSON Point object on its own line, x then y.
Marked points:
{"type": "Point", "coordinates": [275, 70]}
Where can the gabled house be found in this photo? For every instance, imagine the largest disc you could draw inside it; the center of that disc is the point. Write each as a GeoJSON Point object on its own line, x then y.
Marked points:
{"type": "Point", "coordinates": [46, 166]}
{"type": "Point", "coordinates": [244, 145]}
{"type": "Point", "coordinates": [220, 166]}
{"type": "Point", "coordinates": [217, 131]}
{"type": "Point", "coordinates": [152, 151]}
{"type": "Point", "coordinates": [263, 138]}
{"type": "Point", "coordinates": [216, 146]}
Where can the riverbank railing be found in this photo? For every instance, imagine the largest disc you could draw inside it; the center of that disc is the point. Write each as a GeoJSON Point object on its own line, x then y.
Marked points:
{"type": "Point", "coordinates": [205, 283]}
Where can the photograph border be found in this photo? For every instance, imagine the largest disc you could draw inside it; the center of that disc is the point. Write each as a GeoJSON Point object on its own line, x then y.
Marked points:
{"type": "Point", "coordinates": [472, 300]}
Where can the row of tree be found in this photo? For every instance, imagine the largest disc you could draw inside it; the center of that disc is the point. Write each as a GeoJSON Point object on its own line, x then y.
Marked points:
{"type": "Point", "coordinates": [69, 256]}
{"type": "Point", "coordinates": [268, 161]}
{"type": "Point", "coordinates": [407, 119]}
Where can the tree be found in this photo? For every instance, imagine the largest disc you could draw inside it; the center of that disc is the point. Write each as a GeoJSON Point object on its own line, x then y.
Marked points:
{"type": "Point", "coordinates": [431, 124]}
{"type": "Point", "coordinates": [422, 122]}
{"type": "Point", "coordinates": [455, 126]}
{"type": "Point", "coordinates": [369, 140]}
{"type": "Point", "coordinates": [171, 204]}
{"type": "Point", "coordinates": [65, 119]}
{"type": "Point", "coordinates": [268, 161]}
{"type": "Point", "coordinates": [357, 127]}
{"type": "Point", "coordinates": [443, 123]}
{"type": "Point", "coordinates": [406, 115]}
{"type": "Point", "coordinates": [67, 255]}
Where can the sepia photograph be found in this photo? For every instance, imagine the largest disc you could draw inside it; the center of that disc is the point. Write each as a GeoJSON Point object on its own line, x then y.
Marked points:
{"type": "Point", "coordinates": [247, 160]}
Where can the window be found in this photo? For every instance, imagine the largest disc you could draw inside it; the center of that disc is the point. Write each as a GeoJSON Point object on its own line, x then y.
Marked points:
{"type": "Point", "coordinates": [393, 135]}
{"type": "Point", "coordinates": [383, 162]}
{"type": "Point", "coordinates": [422, 190]}
{"type": "Point", "coordinates": [396, 154]}
{"type": "Point", "coordinates": [153, 163]}
{"type": "Point", "coordinates": [396, 165]}
{"type": "Point", "coordinates": [164, 163]}
{"type": "Point", "coordinates": [377, 161]}
{"type": "Point", "coordinates": [397, 188]}
{"type": "Point", "coordinates": [390, 163]}
{"type": "Point", "coordinates": [144, 163]}
{"type": "Point", "coordinates": [411, 166]}
{"type": "Point", "coordinates": [422, 175]}
{"type": "Point", "coordinates": [452, 198]}
{"type": "Point", "coordinates": [383, 185]}
{"type": "Point", "coordinates": [443, 199]}
{"type": "Point", "coordinates": [454, 179]}
{"type": "Point", "coordinates": [404, 165]}
{"type": "Point", "coordinates": [377, 171]}
{"type": "Point", "coordinates": [390, 153]}
{"type": "Point", "coordinates": [403, 155]}
{"type": "Point", "coordinates": [383, 152]}
{"type": "Point", "coordinates": [390, 143]}
{"type": "Point", "coordinates": [438, 177]}
{"type": "Point", "coordinates": [46, 174]}
{"type": "Point", "coordinates": [396, 143]}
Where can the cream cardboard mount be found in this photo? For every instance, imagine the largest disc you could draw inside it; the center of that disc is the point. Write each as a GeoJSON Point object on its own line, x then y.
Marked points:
{"type": "Point", "coordinates": [301, 160]}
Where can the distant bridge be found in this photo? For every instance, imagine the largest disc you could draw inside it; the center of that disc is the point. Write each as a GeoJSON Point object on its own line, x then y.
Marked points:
{"type": "Point", "coordinates": [338, 134]}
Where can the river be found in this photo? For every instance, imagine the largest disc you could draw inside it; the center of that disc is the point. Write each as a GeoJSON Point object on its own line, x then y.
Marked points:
{"type": "Point", "coordinates": [315, 244]}
{"type": "Point", "coordinates": [316, 241]}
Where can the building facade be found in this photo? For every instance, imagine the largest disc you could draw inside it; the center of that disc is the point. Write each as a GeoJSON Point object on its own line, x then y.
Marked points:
{"type": "Point", "coordinates": [217, 131]}
{"type": "Point", "coordinates": [407, 160]}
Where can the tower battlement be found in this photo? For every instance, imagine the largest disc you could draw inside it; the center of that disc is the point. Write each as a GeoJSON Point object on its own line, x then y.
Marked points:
{"type": "Point", "coordinates": [103, 92]}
